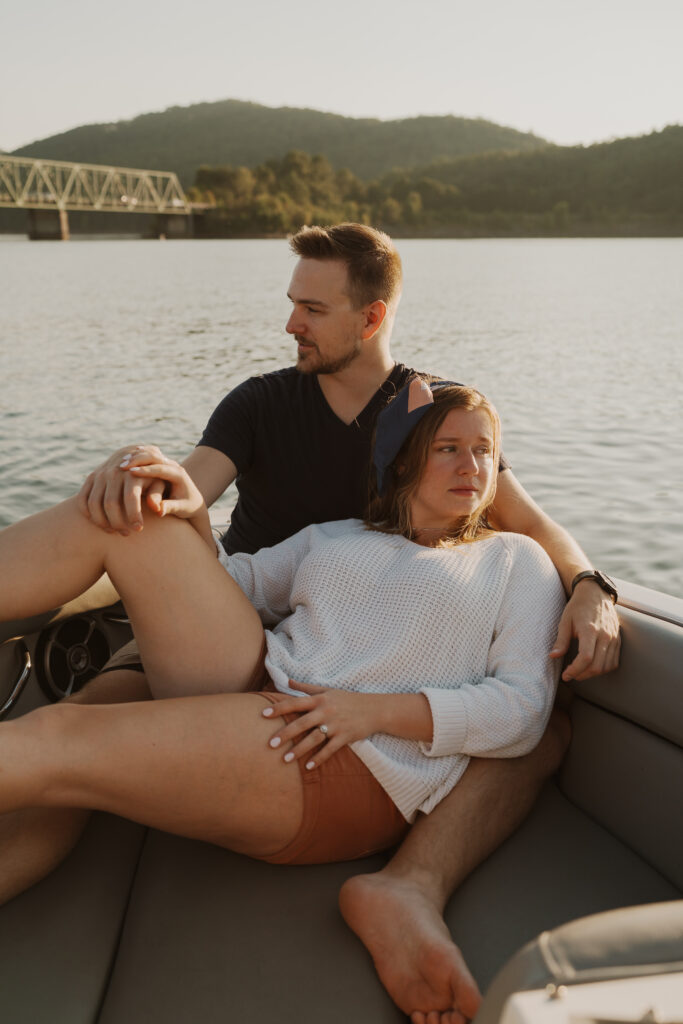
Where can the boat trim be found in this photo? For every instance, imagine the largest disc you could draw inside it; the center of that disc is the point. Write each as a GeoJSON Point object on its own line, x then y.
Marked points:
{"type": "Point", "coordinates": [20, 683]}
{"type": "Point", "coordinates": [650, 602]}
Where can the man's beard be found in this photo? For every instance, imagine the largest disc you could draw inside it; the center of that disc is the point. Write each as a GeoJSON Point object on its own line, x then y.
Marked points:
{"type": "Point", "coordinates": [331, 365]}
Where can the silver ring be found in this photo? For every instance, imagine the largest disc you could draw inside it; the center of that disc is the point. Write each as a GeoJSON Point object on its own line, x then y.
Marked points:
{"type": "Point", "coordinates": [324, 730]}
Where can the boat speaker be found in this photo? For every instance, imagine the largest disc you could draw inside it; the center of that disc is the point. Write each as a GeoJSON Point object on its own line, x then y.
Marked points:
{"type": "Point", "coordinates": [69, 654]}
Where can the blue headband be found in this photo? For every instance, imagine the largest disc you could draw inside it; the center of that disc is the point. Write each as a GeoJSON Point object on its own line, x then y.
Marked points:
{"type": "Point", "coordinates": [399, 418]}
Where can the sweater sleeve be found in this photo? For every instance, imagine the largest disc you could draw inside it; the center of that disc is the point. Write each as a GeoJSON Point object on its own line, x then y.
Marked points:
{"type": "Point", "coordinates": [505, 713]}
{"type": "Point", "coordinates": [267, 576]}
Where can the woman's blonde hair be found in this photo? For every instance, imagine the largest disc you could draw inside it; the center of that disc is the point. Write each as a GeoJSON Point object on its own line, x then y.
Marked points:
{"type": "Point", "coordinates": [390, 511]}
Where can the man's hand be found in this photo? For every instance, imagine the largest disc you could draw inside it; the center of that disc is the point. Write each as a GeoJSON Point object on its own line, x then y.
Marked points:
{"type": "Point", "coordinates": [591, 617]}
{"type": "Point", "coordinates": [111, 498]}
{"type": "Point", "coordinates": [345, 716]}
{"type": "Point", "coordinates": [183, 498]}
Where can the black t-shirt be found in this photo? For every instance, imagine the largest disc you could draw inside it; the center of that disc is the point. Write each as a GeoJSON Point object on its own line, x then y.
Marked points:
{"type": "Point", "coordinates": [297, 462]}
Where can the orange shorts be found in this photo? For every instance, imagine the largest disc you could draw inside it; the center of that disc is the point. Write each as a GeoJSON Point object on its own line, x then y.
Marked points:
{"type": "Point", "coordinates": [347, 814]}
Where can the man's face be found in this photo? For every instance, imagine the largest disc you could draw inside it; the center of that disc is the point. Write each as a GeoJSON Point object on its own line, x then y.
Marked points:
{"type": "Point", "coordinates": [327, 328]}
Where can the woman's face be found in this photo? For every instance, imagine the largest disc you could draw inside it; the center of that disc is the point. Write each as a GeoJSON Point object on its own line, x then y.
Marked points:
{"type": "Point", "coordinates": [459, 471]}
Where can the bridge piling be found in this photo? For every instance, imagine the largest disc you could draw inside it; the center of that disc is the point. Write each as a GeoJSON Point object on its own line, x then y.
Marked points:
{"type": "Point", "coordinates": [48, 225]}
{"type": "Point", "coordinates": [165, 225]}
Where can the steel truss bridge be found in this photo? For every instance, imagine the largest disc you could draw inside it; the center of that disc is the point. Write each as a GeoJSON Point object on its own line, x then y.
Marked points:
{"type": "Point", "coordinates": [54, 184]}
{"type": "Point", "coordinates": [59, 187]}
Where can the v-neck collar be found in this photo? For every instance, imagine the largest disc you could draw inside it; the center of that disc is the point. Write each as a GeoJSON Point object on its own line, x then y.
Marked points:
{"type": "Point", "coordinates": [387, 388]}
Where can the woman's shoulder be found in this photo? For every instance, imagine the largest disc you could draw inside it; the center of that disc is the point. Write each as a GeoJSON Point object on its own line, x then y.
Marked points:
{"type": "Point", "coordinates": [336, 528]}
{"type": "Point", "coordinates": [519, 544]}
{"type": "Point", "coordinates": [310, 537]}
{"type": "Point", "coordinates": [529, 560]}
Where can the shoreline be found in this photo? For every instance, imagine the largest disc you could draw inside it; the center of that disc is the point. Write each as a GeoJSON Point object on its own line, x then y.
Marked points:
{"type": "Point", "coordinates": [581, 232]}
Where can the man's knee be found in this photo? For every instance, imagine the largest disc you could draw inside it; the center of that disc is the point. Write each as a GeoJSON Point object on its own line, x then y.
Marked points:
{"type": "Point", "coordinates": [121, 686]}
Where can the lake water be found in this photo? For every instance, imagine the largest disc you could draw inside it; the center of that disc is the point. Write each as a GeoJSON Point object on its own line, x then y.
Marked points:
{"type": "Point", "coordinates": [578, 342]}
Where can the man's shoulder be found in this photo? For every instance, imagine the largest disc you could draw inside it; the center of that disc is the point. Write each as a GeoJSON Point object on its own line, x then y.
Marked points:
{"type": "Point", "coordinates": [274, 380]}
{"type": "Point", "coordinates": [289, 380]}
{"type": "Point", "coordinates": [272, 389]}
{"type": "Point", "coordinates": [402, 374]}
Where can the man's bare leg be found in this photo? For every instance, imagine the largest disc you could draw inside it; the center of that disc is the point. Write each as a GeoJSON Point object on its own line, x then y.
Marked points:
{"type": "Point", "coordinates": [35, 840]}
{"type": "Point", "coordinates": [398, 912]}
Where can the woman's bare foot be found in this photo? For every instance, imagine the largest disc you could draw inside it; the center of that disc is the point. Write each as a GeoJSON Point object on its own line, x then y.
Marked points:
{"type": "Point", "coordinates": [417, 961]}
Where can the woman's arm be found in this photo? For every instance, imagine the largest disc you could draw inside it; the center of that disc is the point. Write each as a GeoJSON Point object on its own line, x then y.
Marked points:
{"type": "Point", "coordinates": [348, 717]}
{"type": "Point", "coordinates": [505, 713]}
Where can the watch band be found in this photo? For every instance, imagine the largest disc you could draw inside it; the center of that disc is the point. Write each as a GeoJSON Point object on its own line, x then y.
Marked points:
{"type": "Point", "coordinates": [600, 578]}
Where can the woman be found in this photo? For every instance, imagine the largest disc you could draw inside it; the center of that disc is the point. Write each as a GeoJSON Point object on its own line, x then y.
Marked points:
{"type": "Point", "coordinates": [428, 630]}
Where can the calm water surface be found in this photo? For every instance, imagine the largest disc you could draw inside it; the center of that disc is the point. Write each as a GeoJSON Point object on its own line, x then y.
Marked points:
{"type": "Point", "coordinates": [578, 342]}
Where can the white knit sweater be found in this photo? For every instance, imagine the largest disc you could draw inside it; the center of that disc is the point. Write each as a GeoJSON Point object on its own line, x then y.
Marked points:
{"type": "Point", "coordinates": [469, 626]}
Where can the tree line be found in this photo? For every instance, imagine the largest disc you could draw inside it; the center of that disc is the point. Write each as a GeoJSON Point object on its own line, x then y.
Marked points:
{"type": "Point", "coordinates": [629, 186]}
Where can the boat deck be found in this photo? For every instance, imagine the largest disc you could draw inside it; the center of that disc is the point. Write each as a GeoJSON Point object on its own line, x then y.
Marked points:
{"type": "Point", "coordinates": [141, 926]}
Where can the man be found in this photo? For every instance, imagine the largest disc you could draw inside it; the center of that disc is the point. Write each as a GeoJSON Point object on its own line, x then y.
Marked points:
{"type": "Point", "coordinates": [298, 442]}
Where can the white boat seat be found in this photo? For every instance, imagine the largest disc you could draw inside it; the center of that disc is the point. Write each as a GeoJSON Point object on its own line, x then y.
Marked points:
{"type": "Point", "coordinates": [626, 943]}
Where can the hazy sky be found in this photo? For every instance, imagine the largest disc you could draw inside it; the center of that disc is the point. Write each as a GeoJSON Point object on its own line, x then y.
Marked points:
{"type": "Point", "coordinates": [570, 70]}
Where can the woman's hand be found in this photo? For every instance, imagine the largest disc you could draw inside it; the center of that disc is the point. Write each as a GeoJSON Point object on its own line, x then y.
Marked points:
{"type": "Point", "coordinates": [346, 716]}
{"type": "Point", "coordinates": [182, 496]}
{"type": "Point", "coordinates": [112, 499]}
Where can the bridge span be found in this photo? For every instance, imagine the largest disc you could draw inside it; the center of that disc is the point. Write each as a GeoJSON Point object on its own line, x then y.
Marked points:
{"type": "Point", "coordinates": [49, 189]}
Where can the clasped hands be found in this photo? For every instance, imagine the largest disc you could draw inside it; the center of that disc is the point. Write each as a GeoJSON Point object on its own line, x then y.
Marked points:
{"type": "Point", "coordinates": [112, 495]}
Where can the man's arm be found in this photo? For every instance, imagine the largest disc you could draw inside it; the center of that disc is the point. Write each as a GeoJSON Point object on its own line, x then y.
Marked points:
{"type": "Point", "coordinates": [590, 615]}
{"type": "Point", "coordinates": [211, 470]}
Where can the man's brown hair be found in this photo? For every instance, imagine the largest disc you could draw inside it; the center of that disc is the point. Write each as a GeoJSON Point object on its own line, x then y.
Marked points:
{"type": "Point", "coordinates": [373, 264]}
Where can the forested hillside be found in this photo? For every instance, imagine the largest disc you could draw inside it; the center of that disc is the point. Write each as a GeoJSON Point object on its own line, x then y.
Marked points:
{"type": "Point", "coordinates": [181, 139]}
{"type": "Point", "coordinates": [629, 186]}
{"type": "Point", "coordinates": [431, 176]}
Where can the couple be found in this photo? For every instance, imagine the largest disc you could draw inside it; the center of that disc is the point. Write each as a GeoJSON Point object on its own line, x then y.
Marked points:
{"type": "Point", "coordinates": [404, 634]}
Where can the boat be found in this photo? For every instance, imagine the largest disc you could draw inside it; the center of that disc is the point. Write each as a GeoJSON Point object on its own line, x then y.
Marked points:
{"type": "Point", "coordinates": [577, 917]}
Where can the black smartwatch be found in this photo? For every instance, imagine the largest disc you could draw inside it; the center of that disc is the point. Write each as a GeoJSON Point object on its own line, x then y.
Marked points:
{"type": "Point", "coordinates": [602, 581]}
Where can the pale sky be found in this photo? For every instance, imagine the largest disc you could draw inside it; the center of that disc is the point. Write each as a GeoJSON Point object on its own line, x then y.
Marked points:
{"type": "Point", "coordinates": [573, 71]}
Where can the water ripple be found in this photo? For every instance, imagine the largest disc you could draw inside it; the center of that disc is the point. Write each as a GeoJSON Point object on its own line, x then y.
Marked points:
{"type": "Point", "coordinates": [577, 341]}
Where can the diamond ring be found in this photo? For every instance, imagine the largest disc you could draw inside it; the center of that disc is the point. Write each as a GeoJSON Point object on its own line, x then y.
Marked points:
{"type": "Point", "coordinates": [324, 730]}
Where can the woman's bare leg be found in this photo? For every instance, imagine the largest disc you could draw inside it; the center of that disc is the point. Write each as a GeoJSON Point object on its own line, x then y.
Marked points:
{"type": "Point", "coordinates": [34, 841]}
{"type": "Point", "coordinates": [200, 767]}
{"type": "Point", "coordinates": [196, 630]}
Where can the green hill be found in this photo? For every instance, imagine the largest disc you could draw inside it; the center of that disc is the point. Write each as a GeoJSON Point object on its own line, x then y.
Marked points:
{"type": "Point", "coordinates": [640, 175]}
{"type": "Point", "coordinates": [239, 133]}
{"type": "Point", "coordinates": [630, 186]}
